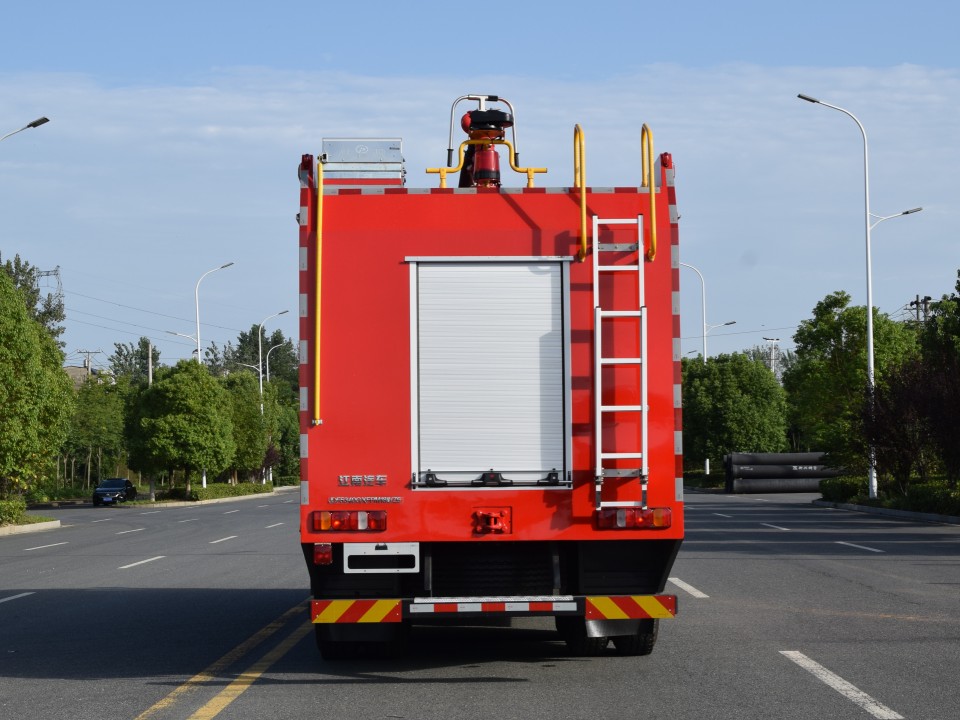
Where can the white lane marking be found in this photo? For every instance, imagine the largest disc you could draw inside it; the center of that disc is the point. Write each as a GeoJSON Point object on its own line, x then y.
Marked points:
{"type": "Point", "coordinates": [849, 691]}
{"type": "Point", "coordinates": [722, 515]}
{"type": "Point", "coordinates": [230, 512]}
{"type": "Point", "coordinates": [16, 597]}
{"type": "Point", "coordinates": [230, 537]}
{"type": "Point", "coordinates": [126, 532]}
{"type": "Point", "coordinates": [287, 502]}
{"type": "Point", "coordinates": [142, 562]}
{"type": "Point", "coordinates": [150, 512]}
{"type": "Point", "coordinates": [689, 588]}
{"type": "Point", "coordinates": [776, 527]}
{"type": "Point", "coordinates": [41, 547]}
{"type": "Point", "coordinates": [190, 520]}
{"type": "Point", "coordinates": [273, 526]}
{"type": "Point", "coordinates": [859, 547]}
{"type": "Point", "coordinates": [260, 506]}
{"type": "Point", "coordinates": [102, 520]}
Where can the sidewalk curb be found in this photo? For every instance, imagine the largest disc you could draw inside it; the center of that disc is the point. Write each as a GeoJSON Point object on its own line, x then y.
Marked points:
{"type": "Point", "coordinates": [889, 512]}
{"type": "Point", "coordinates": [31, 528]}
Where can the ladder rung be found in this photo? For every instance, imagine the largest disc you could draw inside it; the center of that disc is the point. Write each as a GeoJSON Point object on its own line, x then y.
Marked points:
{"type": "Point", "coordinates": [617, 268]}
{"type": "Point", "coordinates": [620, 473]}
{"type": "Point", "coordinates": [621, 313]}
{"type": "Point", "coordinates": [617, 247]}
{"type": "Point", "coordinates": [621, 456]}
{"type": "Point", "coordinates": [621, 361]}
{"type": "Point", "coordinates": [621, 504]}
{"type": "Point", "coordinates": [621, 408]}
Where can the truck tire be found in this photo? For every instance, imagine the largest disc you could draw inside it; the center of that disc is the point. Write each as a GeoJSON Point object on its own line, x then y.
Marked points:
{"type": "Point", "coordinates": [573, 630]}
{"type": "Point", "coordinates": [641, 643]}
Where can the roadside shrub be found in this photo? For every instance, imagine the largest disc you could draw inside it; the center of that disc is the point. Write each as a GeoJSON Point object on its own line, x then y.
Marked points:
{"type": "Point", "coordinates": [225, 490]}
{"type": "Point", "coordinates": [286, 480]}
{"type": "Point", "coordinates": [12, 511]}
{"type": "Point", "coordinates": [933, 497]}
{"type": "Point", "coordinates": [214, 491]}
{"type": "Point", "coordinates": [842, 489]}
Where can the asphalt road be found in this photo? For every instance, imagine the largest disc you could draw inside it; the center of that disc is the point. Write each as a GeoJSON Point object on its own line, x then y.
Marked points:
{"type": "Point", "coordinates": [786, 611]}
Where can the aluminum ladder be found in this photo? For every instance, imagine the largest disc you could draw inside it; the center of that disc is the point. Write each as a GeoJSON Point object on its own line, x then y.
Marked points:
{"type": "Point", "coordinates": [605, 264]}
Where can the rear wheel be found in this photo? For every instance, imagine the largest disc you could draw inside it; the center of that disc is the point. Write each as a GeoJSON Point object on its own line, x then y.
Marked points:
{"type": "Point", "coordinates": [573, 630]}
{"type": "Point", "coordinates": [640, 643]}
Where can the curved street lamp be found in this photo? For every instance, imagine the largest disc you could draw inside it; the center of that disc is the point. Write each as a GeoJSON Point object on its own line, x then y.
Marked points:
{"type": "Point", "coordinates": [36, 123]}
{"type": "Point", "coordinates": [268, 358]}
{"type": "Point", "coordinates": [196, 297]}
{"type": "Point", "coordinates": [260, 351]}
{"type": "Point", "coordinates": [703, 309]}
{"type": "Point", "coordinates": [868, 226]}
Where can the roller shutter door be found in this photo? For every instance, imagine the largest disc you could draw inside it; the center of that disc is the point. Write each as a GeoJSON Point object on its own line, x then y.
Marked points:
{"type": "Point", "coordinates": [490, 375]}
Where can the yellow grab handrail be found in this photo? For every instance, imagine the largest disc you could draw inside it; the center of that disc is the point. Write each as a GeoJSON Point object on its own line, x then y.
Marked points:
{"type": "Point", "coordinates": [646, 145]}
{"type": "Point", "coordinates": [580, 181]}
{"type": "Point", "coordinates": [318, 253]}
{"type": "Point", "coordinates": [444, 171]}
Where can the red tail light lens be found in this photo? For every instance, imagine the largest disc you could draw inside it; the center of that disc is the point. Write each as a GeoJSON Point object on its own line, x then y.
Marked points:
{"type": "Point", "coordinates": [630, 518]}
{"type": "Point", "coordinates": [348, 520]}
{"type": "Point", "coordinates": [323, 554]}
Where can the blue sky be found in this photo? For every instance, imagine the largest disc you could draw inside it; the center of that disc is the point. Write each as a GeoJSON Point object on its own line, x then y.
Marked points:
{"type": "Point", "coordinates": [176, 129]}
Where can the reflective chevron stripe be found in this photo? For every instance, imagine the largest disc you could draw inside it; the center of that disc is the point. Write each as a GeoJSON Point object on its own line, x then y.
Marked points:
{"type": "Point", "coordinates": [356, 611]}
{"type": "Point", "coordinates": [631, 607]}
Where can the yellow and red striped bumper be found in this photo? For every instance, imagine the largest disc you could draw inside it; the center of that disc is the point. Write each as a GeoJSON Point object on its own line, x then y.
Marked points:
{"type": "Point", "coordinates": [393, 610]}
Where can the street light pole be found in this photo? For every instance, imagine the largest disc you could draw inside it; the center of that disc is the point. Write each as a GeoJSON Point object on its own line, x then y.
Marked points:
{"type": "Point", "coordinates": [268, 358]}
{"type": "Point", "coordinates": [703, 309]}
{"type": "Point", "coordinates": [260, 351]}
{"type": "Point", "coordinates": [196, 296]}
{"type": "Point", "coordinates": [868, 226]}
{"type": "Point", "coordinates": [36, 123]}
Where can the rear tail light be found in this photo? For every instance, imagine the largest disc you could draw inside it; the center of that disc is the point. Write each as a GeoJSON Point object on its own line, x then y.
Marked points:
{"type": "Point", "coordinates": [348, 520]}
{"type": "Point", "coordinates": [630, 518]}
{"type": "Point", "coordinates": [323, 554]}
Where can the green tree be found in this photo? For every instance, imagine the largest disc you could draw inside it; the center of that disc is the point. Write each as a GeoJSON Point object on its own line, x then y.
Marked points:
{"type": "Point", "coordinates": [36, 397]}
{"type": "Point", "coordinates": [731, 403]}
{"type": "Point", "coordinates": [46, 309]}
{"type": "Point", "coordinates": [249, 424]}
{"type": "Point", "coordinates": [827, 382]}
{"type": "Point", "coordinates": [940, 341]}
{"type": "Point", "coordinates": [96, 431]}
{"type": "Point", "coordinates": [134, 361]}
{"type": "Point", "coordinates": [185, 419]}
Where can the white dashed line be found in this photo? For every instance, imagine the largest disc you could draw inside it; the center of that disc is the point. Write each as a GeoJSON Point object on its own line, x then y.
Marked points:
{"type": "Point", "coordinates": [273, 526]}
{"type": "Point", "coordinates": [722, 515]}
{"type": "Point", "coordinates": [849, 691]}
{"type": "Point", "coordinates": [190, 520]}
{"type": "Point", "coordinates": [42, 547]}
{"type": "Point", "coordinates": [776, 527]}
{"type": "Point", "coordinates": [231, 512]}
{"type": "Point", "coordinates": [142, 562]}
{"type": "Point", "coordinates": [230, 537]}
{"type": "Point", "coordinates": [127, 532]}
{"type": "Point", "coordinates": [689, 588]}
{"type": "Point", "coordinates": [16, 597]}
{"type": "Point", "coordinates": [859, 547]}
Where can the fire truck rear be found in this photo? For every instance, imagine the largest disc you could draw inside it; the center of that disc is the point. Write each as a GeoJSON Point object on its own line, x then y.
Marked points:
{"type": "Point", "coordinates": [490, 392]}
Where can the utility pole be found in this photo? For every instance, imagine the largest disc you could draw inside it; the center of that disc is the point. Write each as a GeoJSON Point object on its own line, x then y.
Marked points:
{"type": "Point", "coordinates": [924, 303]}
{"type": "Point", "coordinates": [86, 363]}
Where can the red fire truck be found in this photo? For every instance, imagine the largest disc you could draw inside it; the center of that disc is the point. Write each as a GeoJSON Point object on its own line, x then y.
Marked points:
{"type": "Point", "coordinates": [490, 392]}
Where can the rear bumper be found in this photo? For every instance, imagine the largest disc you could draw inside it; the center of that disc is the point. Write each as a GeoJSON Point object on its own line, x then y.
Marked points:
{"type": "Point", "coordinates": [395, 610]}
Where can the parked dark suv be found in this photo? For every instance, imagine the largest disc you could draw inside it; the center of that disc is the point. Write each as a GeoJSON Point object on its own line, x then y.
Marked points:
{"type": "Point", "coordinates": [113, 490]}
